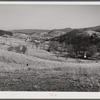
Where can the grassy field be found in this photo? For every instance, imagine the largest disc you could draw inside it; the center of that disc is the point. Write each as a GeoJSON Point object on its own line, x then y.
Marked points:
{"type": "Point", "coordinates": [39, 70]}
{"type": "Point", "coordinates": [20, 72]}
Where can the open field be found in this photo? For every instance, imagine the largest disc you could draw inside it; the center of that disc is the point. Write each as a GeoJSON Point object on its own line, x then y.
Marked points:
{"type": "Point", "coordinates": [19, 72]}
{"type": "Point", "coordinates": [39, 70]}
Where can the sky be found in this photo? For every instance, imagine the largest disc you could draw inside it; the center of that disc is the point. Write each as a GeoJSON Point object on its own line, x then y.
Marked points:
{"type": "Point", "coordinates": [48, 16]}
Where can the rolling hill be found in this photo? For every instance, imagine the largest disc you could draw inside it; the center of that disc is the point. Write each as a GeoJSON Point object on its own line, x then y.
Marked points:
{"type": "Point", "coordinates": [2, 33]}
{"type": "Point", "coordinates": [42, 33]}
{"type": "Point", "coordinates": [39, 33]}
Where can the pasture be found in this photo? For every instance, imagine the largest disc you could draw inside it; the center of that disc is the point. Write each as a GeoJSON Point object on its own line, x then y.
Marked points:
{"type": "Point", "coordinates": [39, 70]}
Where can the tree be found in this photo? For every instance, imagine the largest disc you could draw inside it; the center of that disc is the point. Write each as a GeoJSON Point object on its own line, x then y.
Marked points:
{"type": "Point", "coordinates": [18, 49]}
{"type": "Point", "coordinates": [82, 44]}
{"type": "Point", "coordinates": [54, 46]}
{"type": "Point", "coordinates": [91, 52]}
{"type": "Point", "coordinates": [70, 51]}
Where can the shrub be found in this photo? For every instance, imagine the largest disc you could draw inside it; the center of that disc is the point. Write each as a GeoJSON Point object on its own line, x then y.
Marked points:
{"type": "Point", "coordinates": [70, 51]}
{"type": "Point", "coordinates": [54, 46]}
{"type": "Point", "coordinates": [24, 49]}
{"type": "Point", "coordinates": [2, 43]}
{"type": "Point", "coordinates": [92, 50]}
{"type": "Point", "coordinates": [21, 49]}
{"type": "Point", "coordinates": [18, 49]}
{"type": "Point", "coordinates": [10, 48]}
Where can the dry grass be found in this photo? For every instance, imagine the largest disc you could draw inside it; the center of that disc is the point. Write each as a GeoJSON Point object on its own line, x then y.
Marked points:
{"type": "Point", "coordinates": [42, 71]}
{"type": "Point", "coordinates": [46, 75]}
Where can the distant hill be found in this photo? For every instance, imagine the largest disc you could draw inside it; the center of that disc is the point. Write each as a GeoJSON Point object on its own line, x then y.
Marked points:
{"type": "Point", "coordinates": [79, 42]}
{"type": "Point", "coordinates": [40, 33]}
{"type": "Point", "coordinates": [2, 33]}
{"type": "Point", "coordinates": [96, 28]}
{"type": "Point", "coordinates": [54, 33]}
{"type": "Point", "coordinates": [20, 36]}
{"type": "Point", "coordinates": [64, 30]}
{"type": "Point", "coordinates": [88, 30]}
{"type": "Point", "coordinates": [29, 31]}
{"type": "Point", "coordinates": [58, 32]}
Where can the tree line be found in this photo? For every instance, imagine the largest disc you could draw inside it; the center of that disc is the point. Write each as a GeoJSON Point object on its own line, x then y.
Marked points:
{"type": "Point", "coordinates": [79, 43]}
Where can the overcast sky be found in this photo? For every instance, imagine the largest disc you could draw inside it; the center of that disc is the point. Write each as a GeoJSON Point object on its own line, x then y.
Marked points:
{"type": "Point", "coordinates": [48, 17]}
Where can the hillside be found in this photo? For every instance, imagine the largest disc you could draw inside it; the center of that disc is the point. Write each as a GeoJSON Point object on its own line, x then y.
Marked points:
{"type": "Point", "coordinates": [29, 31]}
{"type": "Point", "coordinates": [89, 30]}
{"type": "Point", "coordinates": [39, 33]}
{"type": "Point", "coordinates": [82, 43]}
{"type": "Point", "coordinates": [63, 30]}
{"type": "Point", "coordinates": [40, 70]}
{"type": "Point", "coordinates": [95, 28]}
{"type": "Point", "coordinates": [19, 72]}
{"type": "Point", "coordinates": [2, 33]}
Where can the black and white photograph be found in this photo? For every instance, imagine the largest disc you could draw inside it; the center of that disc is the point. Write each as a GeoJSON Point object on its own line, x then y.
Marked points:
{"type": "Point", "coordinates": [50, 48]}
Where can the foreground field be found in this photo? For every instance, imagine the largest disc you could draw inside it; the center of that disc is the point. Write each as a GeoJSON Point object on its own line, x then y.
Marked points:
{"type": "Point", "coordinates": [19, 72]}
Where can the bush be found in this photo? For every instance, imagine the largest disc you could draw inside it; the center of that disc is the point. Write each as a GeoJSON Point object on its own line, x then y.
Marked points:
{"type": "Point", "coordinates": [2, 43]}
{"type": "Point", "coordinates": [24, 49]}
{"type": "Point", "coordinates": [18, 49]}
{"type": "Point", "coordinates": [54, 46]}
{"type": "Point", "coordinates": [10, 48]}
{"type": "Point", "coordinates": [92, 50]}
{"type": "Point", "coordinates": [70, 51]}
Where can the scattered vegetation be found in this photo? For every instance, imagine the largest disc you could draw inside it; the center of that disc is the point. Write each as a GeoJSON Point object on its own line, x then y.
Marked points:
{"type": "Point", "coordinates": [26, 73]}
{"type": "Point", "coordinates": [5, 33]}
{"type": "Point", "coordinates": [18, 49]}
{"type": "Point", "coordinates": [40, 70]}
{"type": "Point", "coordinates": [81, 43]}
